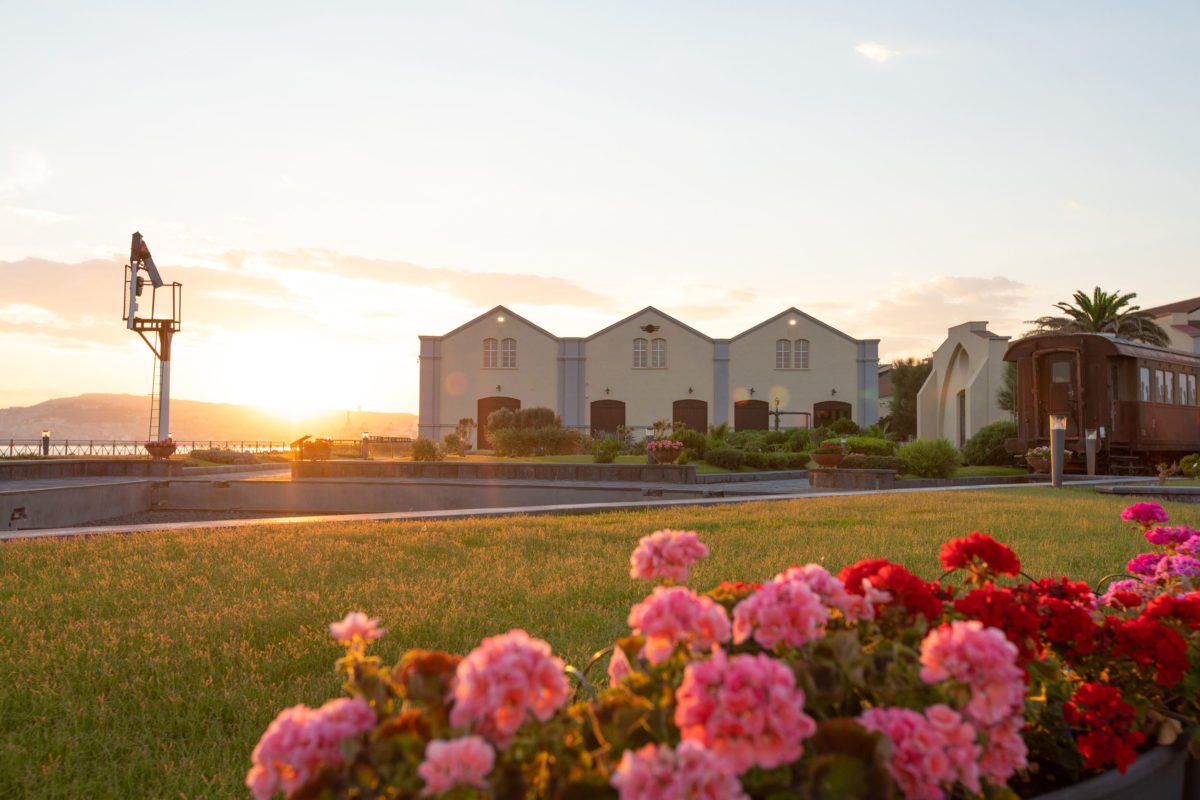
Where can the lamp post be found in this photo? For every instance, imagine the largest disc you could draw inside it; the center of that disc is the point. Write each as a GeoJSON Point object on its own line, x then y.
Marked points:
{"type": "Point", "coordinates": [1058, 441]}
{"type": "Point", "coordinates": [366, 445]}
{"type": "Point", "coordinates": [1091, 442]}
{"type": "Point", "coordinates": [45, 443]}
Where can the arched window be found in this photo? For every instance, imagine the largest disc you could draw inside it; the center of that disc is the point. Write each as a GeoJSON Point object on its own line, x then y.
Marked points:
{"type": "Point", "coordinates": [658, 353]}
{"type": "Point", "coordinates": [489, 353]}
{"type": "Point", "coordinates": [783, 354]}
{"type": "Point", "coordinates": [508, 353]}
{"type": "Point", "coordinates": [639, 353]}
{"type": "Point", "coordinates": [801, 354]}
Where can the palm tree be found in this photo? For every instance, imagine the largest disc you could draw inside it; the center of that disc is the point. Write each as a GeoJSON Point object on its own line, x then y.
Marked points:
{"type": "Point", "coordinates": [1104, 312]}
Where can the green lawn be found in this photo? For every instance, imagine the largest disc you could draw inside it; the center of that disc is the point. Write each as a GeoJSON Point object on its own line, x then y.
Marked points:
{"type": "Point", "coordinates": [148, 665]}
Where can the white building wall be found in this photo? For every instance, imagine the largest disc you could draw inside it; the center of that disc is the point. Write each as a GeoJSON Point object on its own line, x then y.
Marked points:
{"type": "Point", "coordinates": [1181, 340]}
{"type": "Point", "coordinates": [463, 379]}
{"type": "Point", "coordinates": [832, 359]}
{"type": "Point", "coordinates": [648, 393]}
{"type": "Point", "coordinates": [970, 361]}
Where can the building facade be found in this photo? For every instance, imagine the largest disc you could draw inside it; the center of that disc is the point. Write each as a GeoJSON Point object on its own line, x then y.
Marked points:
{"type": "Point", "coordinates": [1181, 321]}
{"type": "Point", "coordinates": [791, 368]}
{"type": "Point", "coordinates": [960, 395]}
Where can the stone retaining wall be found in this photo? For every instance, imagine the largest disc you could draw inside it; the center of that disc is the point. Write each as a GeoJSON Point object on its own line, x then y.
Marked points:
{"type": "Point", "coordinates": [42, 469]}
{"type": "Point", "coordinates": [500, 470]}
{"type": "Point", "coordinates": [833, 478]}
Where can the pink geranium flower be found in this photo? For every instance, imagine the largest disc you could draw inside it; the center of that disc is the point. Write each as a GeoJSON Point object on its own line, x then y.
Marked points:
{"type": "Point", "coordinates": [505, 680]}
{"type": "Point", "coordinates": [931, 752]}
{"type": "Point", "coordinates": [1144, 514]}
{"type": "Point", "coordinates": [675, 615]}
{"type": "Point", "coordinates": [783, 611]}
{"type": "Point", "coordinates": [461, 762]}
{"type": "Point", "coordinates": [666, 555]}
{"type": "Point", "coordinates": [300, 741]}
{"type": "Point", "coordinates": [747, 709]}
{"type": "Point", "coordinates": [688, 771]}
{"type": "Point", "coordinates": [831, 591]}
{"type": "Point", "coordinates": [356, 626]}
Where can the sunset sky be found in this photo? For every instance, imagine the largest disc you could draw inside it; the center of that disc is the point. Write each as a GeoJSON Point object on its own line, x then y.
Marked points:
{"type": "Point", "coordinates": [329, 180]}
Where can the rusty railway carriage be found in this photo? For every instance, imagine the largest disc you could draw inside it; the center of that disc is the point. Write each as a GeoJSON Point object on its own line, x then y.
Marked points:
{"type": "Point", "coordinates": [1143, 397]}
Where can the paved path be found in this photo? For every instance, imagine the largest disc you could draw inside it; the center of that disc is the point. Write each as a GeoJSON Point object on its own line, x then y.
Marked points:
{"type": "Point", "coordinates": [585, 508]}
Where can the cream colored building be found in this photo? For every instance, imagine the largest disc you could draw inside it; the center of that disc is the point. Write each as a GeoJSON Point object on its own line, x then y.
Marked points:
{"type": "Point", "coordinates": [646, 367]}
{"type": "Point", "coordinates": [959, 396]}
{"type": "Point", "coordinates": [1181, 321]}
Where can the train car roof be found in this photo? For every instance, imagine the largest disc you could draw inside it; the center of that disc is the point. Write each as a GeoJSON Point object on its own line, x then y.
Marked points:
{"type": "Point", "coordinates": [1113, 344]}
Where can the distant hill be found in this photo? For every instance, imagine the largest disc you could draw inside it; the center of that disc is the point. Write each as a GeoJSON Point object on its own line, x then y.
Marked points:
{"type": "Point", "coordinates": [125, 416]}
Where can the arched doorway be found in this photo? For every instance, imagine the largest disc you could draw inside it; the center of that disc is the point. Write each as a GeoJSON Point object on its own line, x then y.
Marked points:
{"type": "Point", "coordinates": [692, 413]}
{"type": "Point", "coordinates": [751, 415]}
{"type": "Point", "coordinates": [607, 416]}
{"type": "Point", "coordinates": [485, 406]}
{"type": "Point", "coordinates": [825, 412]}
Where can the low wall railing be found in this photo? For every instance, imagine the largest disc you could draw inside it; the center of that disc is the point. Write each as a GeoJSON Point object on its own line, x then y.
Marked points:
{"type": "Point", "coordinates": [33, 448]}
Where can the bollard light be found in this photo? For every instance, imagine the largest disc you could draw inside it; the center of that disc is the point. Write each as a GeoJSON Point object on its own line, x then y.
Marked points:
{"type": "Point", "coordinates": [1058, 440]}
{"type": "Point", "coordinates": [366, 435]}
{"type": "Point", "coordinates": [1091, 442]}
{"type": "Point", "coordinates": [45, 434]}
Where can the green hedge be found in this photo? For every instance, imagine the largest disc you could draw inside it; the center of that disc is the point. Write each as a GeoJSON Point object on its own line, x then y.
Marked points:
{"type": "Point", "coordinates": [986, 447]}
{"type": "Point", "coordinates": [725, 457]}
{"type": "Point", "coordinates": [1190, 465]}
{"type": "Point", "coordinates": [605, 450]}
{"type": "Point", "coordinates": [541, 441]}
{"type": "Point", "coordinates": [931, 458]}
{"type": "Point", "coordinates": [426, 450]}
{"type": "Point", "coordinates": [866, 445]}
{"type": "Point", "coordinates": [856, 461]}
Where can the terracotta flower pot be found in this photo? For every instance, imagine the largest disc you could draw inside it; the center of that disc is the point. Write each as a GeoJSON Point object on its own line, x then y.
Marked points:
{"type": "Point", "coordinates": [666, 455]}
{"type": "Point", "coordinates": [1038, 464]}
{"type": "Point", "coordinates": [828, 459]}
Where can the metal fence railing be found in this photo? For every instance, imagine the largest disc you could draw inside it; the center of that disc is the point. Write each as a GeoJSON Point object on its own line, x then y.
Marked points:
{"type": "Point", "coordinates": [15, 448]}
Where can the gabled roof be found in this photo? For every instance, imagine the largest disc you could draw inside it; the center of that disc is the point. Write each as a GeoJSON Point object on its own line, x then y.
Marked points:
{"type": "Point", "coordinates": [497, 310]}
{"type": "Point", "coordinates": [1183, 305]}
{"type": "Point", "coordinates": [797, 312]}
{"type": "Point", "coordinates": [651, 309]}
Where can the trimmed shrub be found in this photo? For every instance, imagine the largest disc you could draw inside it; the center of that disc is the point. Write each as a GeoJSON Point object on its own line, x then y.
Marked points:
{"type": "Point", "coordinates": [844, 426]}
{"type": "Point", "coordinates": [221, 456]}
{"type": "Point", "coordinates": [788, 460]}
{"type": "Point", "coordinates": [536, 417]}
{"type": "Point", "coordinates": [986, 447]}
{"type": "Point", "coordinates": [543, 441]}
{"type": "Point", "coordinates": [725, 457]}
{"type": "Point", "coordinates": [749, 441]}
{"type": "Point", "coordinates": [858, 461]}
{"type": "Point", "coordinates": [866, 445]}
{"type": "Point", "coordinates": [1190, 465]}
{"type": "Point", "coordinates": [427, 450]}
{"type": "Point", "coordinates": [605, 450]}
{"type": "Point", "coordinates": [695, 441]}
{"type": "Point", "coordinates": [799, 440]}
{"type": "Point", "coordinates": [931, 458]}
{"type": "Point", "coordinates": [501, 418]}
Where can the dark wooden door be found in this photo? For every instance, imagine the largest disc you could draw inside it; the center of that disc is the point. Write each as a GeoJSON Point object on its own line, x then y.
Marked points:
{"type": "Point", "coordinates": [827, 411]}
{"type": "Point", "coordinates": [607, 416]}
{"type": "Point", "coordinates": [1059, 382]}
{"type": "Point", "coordinates": [485, 406]}
{"type": "Point", "coordinates": [751, 415]}
{"type": "Point", "coordinates": [692, 413]}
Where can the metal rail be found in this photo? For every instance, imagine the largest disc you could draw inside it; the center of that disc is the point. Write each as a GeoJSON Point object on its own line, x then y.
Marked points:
{"type": "Point", "coordinates": [15, 448]}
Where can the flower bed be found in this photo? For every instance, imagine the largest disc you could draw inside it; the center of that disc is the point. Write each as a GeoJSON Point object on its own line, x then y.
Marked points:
{"type": "Point", "coordinates": [866, 684]}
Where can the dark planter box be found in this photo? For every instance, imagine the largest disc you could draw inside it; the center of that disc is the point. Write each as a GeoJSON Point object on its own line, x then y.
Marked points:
{"type": "Point", "coordinates": [1156, 774]}
{"type": "Point", "coordinates": [852, 478]}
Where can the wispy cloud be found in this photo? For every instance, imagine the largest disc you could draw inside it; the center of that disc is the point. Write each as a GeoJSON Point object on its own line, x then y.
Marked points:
{"type": "Point", "coordinates": [22, 170]}
{"type": "Point", "coordinates": [876, 52]}
{"type": "Point", "coordinates": [38, 214]}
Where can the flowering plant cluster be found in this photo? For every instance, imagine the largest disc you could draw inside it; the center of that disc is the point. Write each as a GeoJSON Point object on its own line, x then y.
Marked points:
{"type": "Point", "coordinates": [161, 442]}
{"type": "Point", "coordinates": [657, 445]}
{"type": "Point", "coordinates": [1043, 451]}
{"type": "Point", "coordinates": [871, 683]}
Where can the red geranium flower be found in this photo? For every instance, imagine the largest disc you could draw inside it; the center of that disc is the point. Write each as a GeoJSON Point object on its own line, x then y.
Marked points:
{"type": "Point", "coordinates": [853, 575]}
{"type": "Point", "coordinates": [1068, 626]}
{"type": "Point", "coordinates": [1063, 589]}
{"type": "Point", "coordinates": [1149, 643]}
{"type": "Point", "coordinates": [1185, 609]}
{"type": "Point", "coordinates": [1107, 721]}
{"type": "Point", "coordinates": [982, 555]}
{"type": "Point", "coordinates": [1001, 608]}
{"type": "Point", "coordinates": [1127, 599]}
{"type": "Point", "coordinates": [908, 591]}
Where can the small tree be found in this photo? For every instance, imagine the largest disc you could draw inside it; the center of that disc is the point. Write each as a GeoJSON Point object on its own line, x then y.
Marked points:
{"type": "Point", "coordinates": [908, 375]}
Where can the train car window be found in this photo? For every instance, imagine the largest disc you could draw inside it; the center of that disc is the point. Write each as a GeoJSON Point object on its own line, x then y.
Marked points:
{"type": "Point", "coordinates": [1160, 389]}
{"type": "Point", "coordinates": [1169, 383]}
{"type": "Point", "coordinates": [1192, 390]}
{"type": "Point", "coordinates": [1187, 390]}
{"type": "Point", "coordinates": [1144, 384]}
{"type": "Point", "coordinates": [1060, 372]}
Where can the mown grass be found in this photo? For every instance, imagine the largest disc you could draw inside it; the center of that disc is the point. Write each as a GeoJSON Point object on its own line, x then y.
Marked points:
{"type": "Point", "coordinates": [148, 665]}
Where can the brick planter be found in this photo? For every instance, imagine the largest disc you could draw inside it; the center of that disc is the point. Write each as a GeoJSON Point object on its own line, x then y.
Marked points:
{"type": "Point", "coordinates": [499, 470]}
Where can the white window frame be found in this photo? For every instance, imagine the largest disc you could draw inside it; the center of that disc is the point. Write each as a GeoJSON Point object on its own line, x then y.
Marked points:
{"type": "Point", "coordinates": [783, 354]}
{"type": "Point", "coordinates": [658, 353]}
{"type": "Point", "coordinates": [641, 353]}
{"type": "Point", "coordinates": [491, 349]}
{"type": "Point", "coordinates": [1145, 390]}
{"type": "Point", "coordinates": [508, 353]}
{"type": "Point", "coordinates": [800, 350]}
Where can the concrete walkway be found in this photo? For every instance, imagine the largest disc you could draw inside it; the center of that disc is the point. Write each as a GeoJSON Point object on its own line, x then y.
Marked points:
{"type": "Point", "coordinates": [586, 508]}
